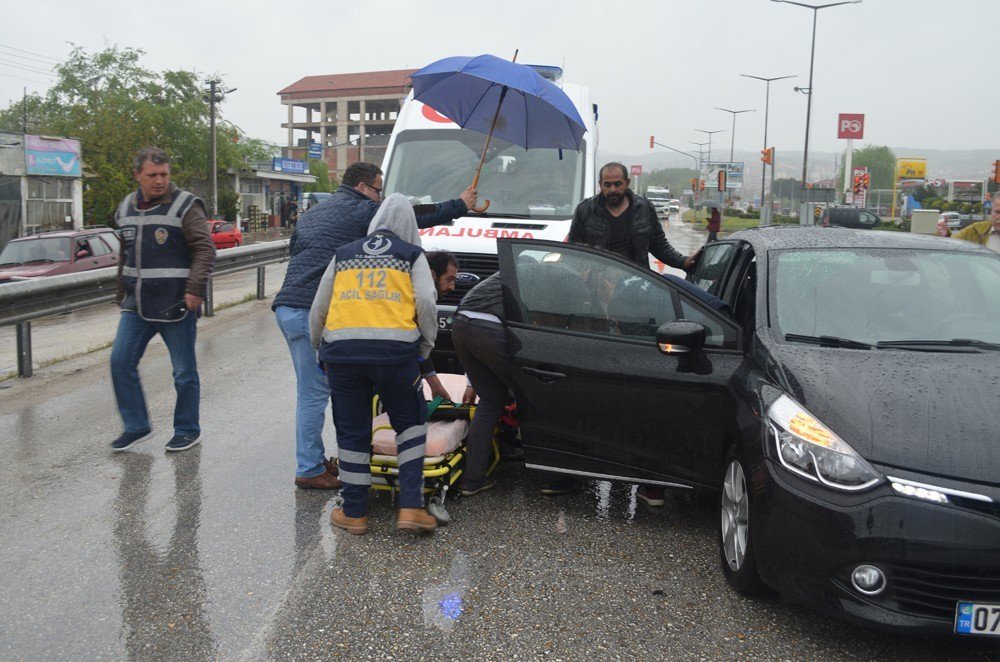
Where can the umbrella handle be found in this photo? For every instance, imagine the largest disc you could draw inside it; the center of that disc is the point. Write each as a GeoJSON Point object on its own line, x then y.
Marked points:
{"type": "Point", "coordinates": [475, 184]}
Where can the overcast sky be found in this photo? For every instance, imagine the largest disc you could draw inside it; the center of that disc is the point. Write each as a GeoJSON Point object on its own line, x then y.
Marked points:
{"type": "Point", "coordinates": [922, 71]}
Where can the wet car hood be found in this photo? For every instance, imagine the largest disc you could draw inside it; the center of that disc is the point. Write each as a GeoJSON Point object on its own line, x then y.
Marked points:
{"type": "Point", "coordinates": [29, 270]}
{"type": "Point", "coordinates": [930, 412]}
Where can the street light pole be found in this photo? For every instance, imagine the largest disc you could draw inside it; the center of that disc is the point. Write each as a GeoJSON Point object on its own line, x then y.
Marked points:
{"type": "Point", "coordinates": [690, 156]}
{"type": "Point", "coordinates": [734, 113]}
{"type": "Point", "coordinates": [767, 106]}
{"type": "Point", "coordinates": [812, 56]}
{"type": "Point", "coordinates": [710, 140]}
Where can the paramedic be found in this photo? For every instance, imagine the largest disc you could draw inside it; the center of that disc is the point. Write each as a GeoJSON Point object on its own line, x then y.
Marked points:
{"type": "Point", "coordinates": [318, 233]}
{"type": "Point", "coordinates": [372, 319]}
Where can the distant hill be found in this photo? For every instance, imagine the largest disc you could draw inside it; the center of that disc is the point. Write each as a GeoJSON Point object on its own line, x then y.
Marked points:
{"type": "Point", "coordinates": [941, 164]}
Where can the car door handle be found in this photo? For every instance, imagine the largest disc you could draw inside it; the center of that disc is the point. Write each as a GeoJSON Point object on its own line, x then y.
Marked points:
{"type": "Point", "coordinates": [544, 376]}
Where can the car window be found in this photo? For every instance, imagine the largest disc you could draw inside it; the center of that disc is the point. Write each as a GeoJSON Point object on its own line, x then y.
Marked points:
{"type": "Point", "coordinates": [868, 218]}
{"type": "Point", "coordinates": [573, 290]}
{"type": "Point", "coordinates": [224, 227]}
{"type": "Point", "coordinates": [112, 240]}
{"type": "Point", "coordinates": [97, 247]}
{"type": "Point", "coordinates": [712, 266]}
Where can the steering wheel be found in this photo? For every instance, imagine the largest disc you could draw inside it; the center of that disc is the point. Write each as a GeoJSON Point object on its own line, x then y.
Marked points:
{"type": "Point", "coordinates": [958, 317]}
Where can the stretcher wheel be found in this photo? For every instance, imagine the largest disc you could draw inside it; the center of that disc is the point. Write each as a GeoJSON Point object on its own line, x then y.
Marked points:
{"type": "Point", "coordinates": [436, 508]}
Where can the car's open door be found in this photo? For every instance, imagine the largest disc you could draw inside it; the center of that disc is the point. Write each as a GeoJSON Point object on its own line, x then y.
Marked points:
{"type": "Point", "coordinates": [595, 395]}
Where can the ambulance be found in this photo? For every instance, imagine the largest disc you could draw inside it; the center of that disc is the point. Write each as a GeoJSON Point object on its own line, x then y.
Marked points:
{"type": "Point", "coordinates": [532, 193]}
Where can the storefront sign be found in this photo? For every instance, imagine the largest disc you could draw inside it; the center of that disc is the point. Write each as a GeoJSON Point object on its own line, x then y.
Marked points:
{"type": "Point", "coordinates": [851, 126]}
{"type": "Point", "coordinates": [911, 168]}
{"type": "Point", "coordinates": [52, 156]}
{"type": "Point", "coordinates": [292, 166]}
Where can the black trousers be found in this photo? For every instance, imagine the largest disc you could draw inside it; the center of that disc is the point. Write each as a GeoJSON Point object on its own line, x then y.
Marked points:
{"type": "Point", "coordinates": [482, 349]}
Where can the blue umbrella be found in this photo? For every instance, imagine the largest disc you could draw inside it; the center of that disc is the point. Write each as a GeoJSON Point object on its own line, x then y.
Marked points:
{"type": "Point", "coordinates": [473, 92]}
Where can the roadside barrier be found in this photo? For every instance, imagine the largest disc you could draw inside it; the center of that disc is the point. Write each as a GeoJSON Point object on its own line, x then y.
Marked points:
{"type": "Point", "coordinates": [25, 301]}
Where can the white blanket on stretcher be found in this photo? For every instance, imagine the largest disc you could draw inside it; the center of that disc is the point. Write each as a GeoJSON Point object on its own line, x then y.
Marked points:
{"type": "Point", "coordinates": [443, 437]}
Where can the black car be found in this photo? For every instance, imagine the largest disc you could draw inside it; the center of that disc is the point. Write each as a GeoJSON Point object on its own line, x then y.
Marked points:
{"type": "Point", "coordinates": [836, 389]}
{"type": "Point", "coordinates": [850, 217]}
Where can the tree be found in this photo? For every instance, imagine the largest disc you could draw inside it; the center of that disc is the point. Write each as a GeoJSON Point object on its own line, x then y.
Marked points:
{"type": "Point", "coordinates": [881, 164]}
{"type": "Point", "coordinates": [676, 179]}
{"type": "Point", "coordinates": [318, 169]}
{"type": "Point", "coordinates": [115, 106]}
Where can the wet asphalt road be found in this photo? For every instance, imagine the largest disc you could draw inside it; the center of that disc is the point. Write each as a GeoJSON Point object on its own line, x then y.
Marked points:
{"type": "Point", "coordinates": [212, 554]}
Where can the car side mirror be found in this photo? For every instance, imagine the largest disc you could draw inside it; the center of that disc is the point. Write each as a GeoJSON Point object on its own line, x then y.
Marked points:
{"type": "Point", "coordinates": [681, 337]}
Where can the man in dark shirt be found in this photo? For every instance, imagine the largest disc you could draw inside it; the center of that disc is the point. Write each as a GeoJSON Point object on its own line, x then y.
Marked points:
{"type": "Point", "coordinates": [620, 221]}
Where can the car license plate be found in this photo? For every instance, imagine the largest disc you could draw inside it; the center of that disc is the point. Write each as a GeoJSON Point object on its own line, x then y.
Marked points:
{"type": "Point", "coordinates": [444, 322]}
{"type": "Point", "coordinates": [977, 618]}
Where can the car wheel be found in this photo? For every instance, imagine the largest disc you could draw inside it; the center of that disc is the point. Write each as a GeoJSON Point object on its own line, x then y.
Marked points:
{"type": "Point", "coordinates": [739, 563]}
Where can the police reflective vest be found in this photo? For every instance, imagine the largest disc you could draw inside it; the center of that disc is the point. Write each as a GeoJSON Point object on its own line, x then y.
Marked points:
{"type": "Point", "coordinates": [156, 257]}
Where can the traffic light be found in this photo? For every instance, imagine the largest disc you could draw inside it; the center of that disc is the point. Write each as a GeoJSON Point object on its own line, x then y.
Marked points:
{"type": "Point", "coordinates": [721, 185]}
{"type": "Point", "coordinates": [996, 172]}
{"type": "Point", "coordinates": [701, 184]}
{"type": "Point", "coordinates": [651, 142]}
{"type": "Point", "coordinates": [767, 155]}
{"type": "Point", "coordinates": [694, 183]}
{"type": "Point", "coordinates": [866, 181]}
{"type": "Point", "coordinates": [857, 184]}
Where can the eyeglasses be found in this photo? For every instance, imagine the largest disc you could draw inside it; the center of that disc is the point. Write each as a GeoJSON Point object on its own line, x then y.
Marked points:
{"type": "Point", "coordinates": [377, 190]}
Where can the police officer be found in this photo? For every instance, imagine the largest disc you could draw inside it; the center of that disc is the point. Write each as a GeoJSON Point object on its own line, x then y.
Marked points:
{"type": "Point", "coordinates": [167, 258]}
{"type": "Point", "coordinates": [372, 321]}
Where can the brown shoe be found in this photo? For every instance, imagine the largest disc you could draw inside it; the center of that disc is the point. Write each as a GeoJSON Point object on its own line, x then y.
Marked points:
{"type": "Point", "coordinates": [324, 481]}
{"type": "Point", "coordinates": [356, 525]}
{"type": "Point", "coordinates": [331, 466]}
{"type": "Point", "coordinates": [416, 519]}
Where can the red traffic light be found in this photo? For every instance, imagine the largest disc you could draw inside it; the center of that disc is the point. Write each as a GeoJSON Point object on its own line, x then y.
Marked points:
{"type": "Point", "coordinates": [996, 172]}
{"type": "Point", "coordinates": [651, 142]}
{"type": "Point", "coordinates": [866, 180]}
{"type": "Point", "coordinates": [721, 185]}
{"type": "Point", "coordinates": [701, 184]}
{"type": "Point", "coordinates": [767, 155]}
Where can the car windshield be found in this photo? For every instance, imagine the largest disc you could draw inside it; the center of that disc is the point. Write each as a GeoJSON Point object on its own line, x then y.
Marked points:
{"type": "Point", "coordinates": [53, 249]}
{"type": "Point", "coordinates": [873, 296]}
{"type": "Point", "coordinates": [658, 195]}
{"type": "Point", "coordinates": [434, 165]}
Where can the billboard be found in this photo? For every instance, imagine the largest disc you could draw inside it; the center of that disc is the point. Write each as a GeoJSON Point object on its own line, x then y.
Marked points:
{"type": "Point", "coordinates": [911, 168]}
{"type": "Point", "coordinates": [52, 156]}
{"type": "Point", "coordinates": [734, 173]}
{"type": "Point", "coordinates": [635, 170]}
{"type": "Point", "coordinates": [851, 126]}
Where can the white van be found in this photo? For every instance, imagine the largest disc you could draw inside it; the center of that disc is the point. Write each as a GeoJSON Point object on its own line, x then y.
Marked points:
{"type": "Point", "coordinates": [532, 193]}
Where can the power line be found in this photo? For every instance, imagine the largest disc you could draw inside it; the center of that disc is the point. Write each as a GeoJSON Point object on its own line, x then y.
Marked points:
{"type": "Point", "coordinates": [25, 57]}
{"type": "Point", "coordinates": [15, 65]}
{"type": "Point", "coordinates": [30, 80]}
{"type": "Point", "coordinates": [19, 50]}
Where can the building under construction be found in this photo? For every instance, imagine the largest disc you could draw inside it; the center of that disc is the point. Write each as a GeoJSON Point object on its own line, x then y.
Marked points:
{"type": "Point", "coordinates": [349, 115]}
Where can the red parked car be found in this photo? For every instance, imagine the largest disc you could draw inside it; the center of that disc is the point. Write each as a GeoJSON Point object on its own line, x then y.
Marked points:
{"type": "Point", "coordinates": [225, 235]}
{"type": "Point", "coordinates": [61, 252]}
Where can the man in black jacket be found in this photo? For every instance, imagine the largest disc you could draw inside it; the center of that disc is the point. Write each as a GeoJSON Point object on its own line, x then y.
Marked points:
{"type": "Point", "coordinates": [622, 222]}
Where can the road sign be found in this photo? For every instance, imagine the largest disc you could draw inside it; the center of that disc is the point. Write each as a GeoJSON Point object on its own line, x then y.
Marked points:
{"type": "Point", "coordinates": [635, 170]}
{"type": "Point", "coordinates": [851, 126]}
{"type": "Point", "coordinates": [315, 150]}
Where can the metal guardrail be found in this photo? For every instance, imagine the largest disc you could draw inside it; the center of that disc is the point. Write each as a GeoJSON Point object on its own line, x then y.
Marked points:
{"type": "Point", "coordinates": [22, 302]}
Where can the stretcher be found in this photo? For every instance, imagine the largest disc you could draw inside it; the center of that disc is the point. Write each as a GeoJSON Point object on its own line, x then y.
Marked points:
{"type": "Point", "coordinates": [444, 458]}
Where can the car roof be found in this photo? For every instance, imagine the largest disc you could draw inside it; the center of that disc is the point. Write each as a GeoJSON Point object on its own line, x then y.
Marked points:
{"type": "Point", "coordinates": [58, 234]}
{"type": "Point", "coordinates": [777, 237]}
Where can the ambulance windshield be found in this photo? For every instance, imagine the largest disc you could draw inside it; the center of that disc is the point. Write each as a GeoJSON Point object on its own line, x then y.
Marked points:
{"type": "Point", "coordinates": [434, 165]}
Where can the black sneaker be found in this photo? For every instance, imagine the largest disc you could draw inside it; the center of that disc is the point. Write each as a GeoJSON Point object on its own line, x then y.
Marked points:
{"type": "Point", "coordinates": [128, 440]}
{"type": "Point", "coordinates": [561, 486]}
{"type": "Point", "coordinates": [472, 491]}
{"type": "Point", "coordinates": [182, 443]}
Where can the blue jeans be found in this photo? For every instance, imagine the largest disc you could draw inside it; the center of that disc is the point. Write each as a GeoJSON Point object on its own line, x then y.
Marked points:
{"type": "Point", "coordinates": [401, 390]}
{"type": "Point", "coordinates": [134, 334]}
{"type": "Point", "coordinates": [312, 392]}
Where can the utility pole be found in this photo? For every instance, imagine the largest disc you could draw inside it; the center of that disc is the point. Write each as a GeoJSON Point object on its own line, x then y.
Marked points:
{"type": "Point", "coordinates": [214, 97]}
{"type": "Point", "coordinates": [24, 111]}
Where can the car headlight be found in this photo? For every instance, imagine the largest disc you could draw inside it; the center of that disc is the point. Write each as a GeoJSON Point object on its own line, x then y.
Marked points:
{"type": "Point", "coordinates": [810, 449]}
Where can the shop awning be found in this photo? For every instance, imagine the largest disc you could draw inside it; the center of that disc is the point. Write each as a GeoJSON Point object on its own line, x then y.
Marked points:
{"type": "Point", "coordinates": [285, 176]}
